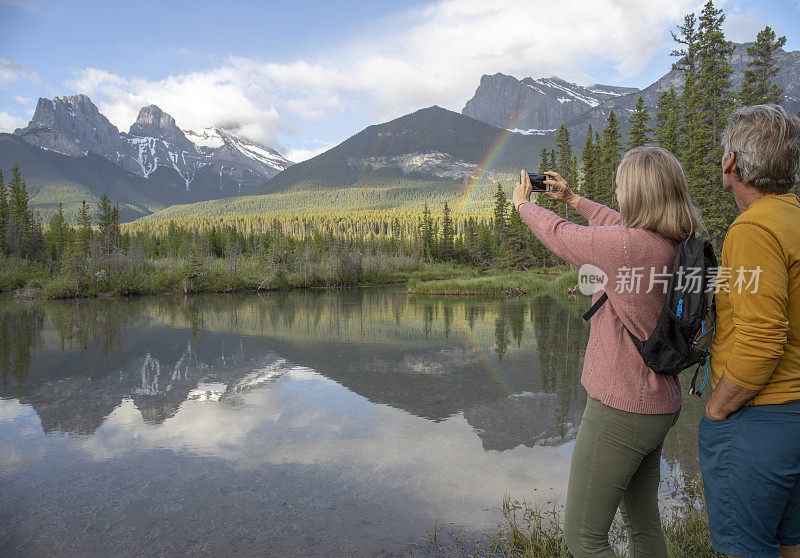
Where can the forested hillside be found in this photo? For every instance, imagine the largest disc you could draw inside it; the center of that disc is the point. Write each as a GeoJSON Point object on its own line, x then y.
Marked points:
{"type": "Point", "coordinates": [431, 145]}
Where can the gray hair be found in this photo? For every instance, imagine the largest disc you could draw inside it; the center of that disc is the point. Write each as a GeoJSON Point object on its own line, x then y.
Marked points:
{"type": "Point", "coordinates": [766, 141]}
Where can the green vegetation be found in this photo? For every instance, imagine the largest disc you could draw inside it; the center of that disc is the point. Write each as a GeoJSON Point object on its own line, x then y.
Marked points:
{"type": "Point", "coordinates": [498, 283]}
{"type": "Point", "coordinates": [101, 257]}
{"type": "Point", "coordinates": [639, 133]}
{"type": "Point", "coordinates": [529, 531]}
{"type": "Point", "coordinates": [364, 159]}
{"type": "Point", "coordinates": [307, 235]}
{"type": "Point", "coordinates": [60, 179]}
{"type": "Point", "coordinates": [757, 87]}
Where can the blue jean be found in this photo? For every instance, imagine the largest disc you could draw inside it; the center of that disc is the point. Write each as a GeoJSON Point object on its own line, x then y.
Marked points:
{"type": "Point", "coordinates": [751, 473]}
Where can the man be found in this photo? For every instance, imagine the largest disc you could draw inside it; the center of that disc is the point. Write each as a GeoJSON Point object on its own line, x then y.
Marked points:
{"type": "Point", "coordinates": [750, 433]}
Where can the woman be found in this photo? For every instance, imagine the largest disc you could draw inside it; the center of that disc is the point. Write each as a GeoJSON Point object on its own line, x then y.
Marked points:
{"type": "Point", "coordinates": [630, 408]}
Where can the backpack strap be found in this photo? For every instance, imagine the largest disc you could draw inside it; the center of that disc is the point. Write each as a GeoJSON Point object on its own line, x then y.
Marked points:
{"type": "Point", "coordinates": [595, 307]}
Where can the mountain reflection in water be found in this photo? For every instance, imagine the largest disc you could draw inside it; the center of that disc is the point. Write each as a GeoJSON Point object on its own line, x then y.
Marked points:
{"type": "Point", "coordinates": [295, 423]}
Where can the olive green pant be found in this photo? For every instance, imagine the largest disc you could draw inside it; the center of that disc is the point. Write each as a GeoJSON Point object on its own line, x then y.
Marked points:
{"type": "Point", "coordinates": [616, 463]}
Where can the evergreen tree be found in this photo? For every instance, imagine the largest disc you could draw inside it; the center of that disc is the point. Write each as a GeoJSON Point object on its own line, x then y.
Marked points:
{"type": "Point", "coordinates": [57, 233]}
{"type": "Point", "coordinates": [563, 166]}
{"type": "Point", "coordinates": [543, 160]}
{"type": "Point", "coordinates": [500, 206]}
{"type": "Point", "coordinates": [518, 248]}
{"type": "Point", "coordinates": [84, 229]}
{"type": "Point", "coordinates": [610, 157]}
{"type": "Point", "coordinates": [3, 212]}
{"type": "Point", "coordinates": [715, 106]}
{"type": "Point", "coordinates": [447, 233]}
{"type": "Point", "coordinates": [639, 132]}
{"type": "Point", "coordinates": [757, 88]}
{"type": "Point", "coordinates": [108, 223]}
{"type": "Point", "coordinates": [115, 228]}
{"type": "Point", "coordinates": [104, 219]}
{"type": "Point", "coordinates": [19, 224]}
{"type": "Point", "coordinates": [589, 157]}
{"type": "Point", "coordinates": [687, 38]}
{"type": "Point", "coordinates": [563, 153]}
{"type": "Point", "coordinates": [667, 119]}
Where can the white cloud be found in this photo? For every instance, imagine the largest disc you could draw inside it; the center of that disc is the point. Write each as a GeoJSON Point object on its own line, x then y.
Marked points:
{"type": "Point", "coordinates": [299, 155]}
{"type": "Point", "coordinates": [11, 71]}
{"type": "Point", "coordinates": [434, 55]}
{"type": "Point", "coordinates": [218, 97]}
{"type": "Point", "coordinates": [20, 100]}
{"type": "Point", "coordinates": [9, 122]}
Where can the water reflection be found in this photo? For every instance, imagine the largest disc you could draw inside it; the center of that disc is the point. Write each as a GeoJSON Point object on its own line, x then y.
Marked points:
{"type": "Point", "coordinates": [359, 416]}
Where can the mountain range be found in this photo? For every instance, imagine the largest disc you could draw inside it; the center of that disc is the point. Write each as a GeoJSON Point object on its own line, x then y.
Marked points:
{"type": "Point", "coordinates": [70, 151]}
{"type": "Point", "coordinates": [154, 165]}
{"type": "Point", "coordinates": [539, 106]}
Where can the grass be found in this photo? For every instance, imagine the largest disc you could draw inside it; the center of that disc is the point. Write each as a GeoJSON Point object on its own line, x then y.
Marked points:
{"type": "Point", "coordinates": [126, 277]}
{"type": "Point", "coordinates": [500, 283]}
{"type": "Point", "coordinates": [527, 531]}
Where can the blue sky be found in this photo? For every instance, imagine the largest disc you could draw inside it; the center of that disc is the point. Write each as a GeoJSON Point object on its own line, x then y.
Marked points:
{"type": "Point", "coordinates": [303, 76]}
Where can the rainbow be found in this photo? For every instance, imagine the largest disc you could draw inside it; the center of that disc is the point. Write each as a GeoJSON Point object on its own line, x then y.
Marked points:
{"type": "Point", "coordinates": [470, 190]}
{"type": "Point", "coordinates": [495, 372]}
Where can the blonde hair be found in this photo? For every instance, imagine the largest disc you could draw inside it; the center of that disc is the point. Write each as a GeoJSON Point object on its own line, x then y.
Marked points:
{"type": "Point", "coordinates": [655, 195]}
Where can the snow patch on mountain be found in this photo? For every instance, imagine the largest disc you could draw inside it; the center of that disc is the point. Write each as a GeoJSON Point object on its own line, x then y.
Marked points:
{"type": "Point", "coordinates": [532, 132]}
{"type": "Point", "coordinates": [438, 164]}
{"type": "Point", "coordinates": [572, 92]}
{"type": "Point", "coordinates": [206, 137]}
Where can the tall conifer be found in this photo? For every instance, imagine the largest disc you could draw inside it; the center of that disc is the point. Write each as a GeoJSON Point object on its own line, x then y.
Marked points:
{"type": "Point", "coordinates": [758, 88]}
{"type": "Point", "coordinates": [667, 118]}
{"type": "Point", "coordinates": [609, 161]}
{"type": "Point", "coordinates": [639, 133]}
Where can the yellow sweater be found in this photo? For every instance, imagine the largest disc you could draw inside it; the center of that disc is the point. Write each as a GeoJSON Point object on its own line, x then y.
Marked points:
{"type": "Point", "coordinates": [757, 340]}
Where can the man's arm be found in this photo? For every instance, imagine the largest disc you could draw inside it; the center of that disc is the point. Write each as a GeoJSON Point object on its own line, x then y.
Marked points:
{"type": "Point", "coordinates": [727, 398]}
{"type": "Point", "coordinates": [760, 316]}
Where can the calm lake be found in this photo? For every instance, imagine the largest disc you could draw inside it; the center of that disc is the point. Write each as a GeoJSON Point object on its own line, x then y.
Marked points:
{"type": "Point", "coordinates": [309, 423]}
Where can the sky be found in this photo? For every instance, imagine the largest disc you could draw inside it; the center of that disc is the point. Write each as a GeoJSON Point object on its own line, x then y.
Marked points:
{"type": "Point", "coordinates": [302, 76]}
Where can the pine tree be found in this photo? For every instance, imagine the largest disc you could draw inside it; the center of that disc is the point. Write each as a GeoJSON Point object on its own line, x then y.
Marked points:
{"type": "Point", "coordinates": [3, 212]}
{"type": "Point", "coordinates": [500, 206]}
{"type": "Point", "coordinates": [757, 88]}
{"type": "Point", "coordinates": [667, 121]}
{"type": "Point", "coordinates": [687, 37]}
{"type": "Point", "coordinates": [57, 231]}
{"type": "Point", "coordinates": [84, 229]}
{"type": "Point", "coordinates": [639, 131]}
{"type": "Point", "coordinates": [19, 224]}
{"type": "Point", "coordinates": [610, 157]}
{"type": "Point", "coordinates": [563, 153]}
{"type": "Point", "coordinates": [715, 106]}
{"type": "Point", "coordinates": [115, 228]}
{"type": "Point", "coordinates": [447, 233]}
{"type": "Point", "coordinates": [105, 222]}
{"type": "Point", "coordinates": [518, 246]}
{"type": "Point", "coordinates": [563, 166]}
{"type": "Point", "coordinates": [589, 157]}
{"type": "Point", "coordinates": [543, 160]}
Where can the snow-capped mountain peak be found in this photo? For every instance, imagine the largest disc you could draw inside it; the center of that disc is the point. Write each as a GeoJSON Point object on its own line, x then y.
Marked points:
{"type": "Point", "coordinates": [209, 163]}
{"type": "Point", "coordinates": [535, 104]}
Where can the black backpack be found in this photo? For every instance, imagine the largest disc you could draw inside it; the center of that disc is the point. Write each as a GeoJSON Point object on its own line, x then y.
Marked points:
{"type": "Point", "coordinates": [685, 328]}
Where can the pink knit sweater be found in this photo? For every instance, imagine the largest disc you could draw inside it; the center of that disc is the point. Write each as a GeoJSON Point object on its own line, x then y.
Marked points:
{"type": "Point", "coordinates": [613, 369]}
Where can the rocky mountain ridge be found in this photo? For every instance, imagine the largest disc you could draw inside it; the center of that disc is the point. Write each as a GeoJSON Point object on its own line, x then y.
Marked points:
{"type": "Point", "coordinates": [539, 106]}
{"type": "Point", "coordinates": [155, 147]}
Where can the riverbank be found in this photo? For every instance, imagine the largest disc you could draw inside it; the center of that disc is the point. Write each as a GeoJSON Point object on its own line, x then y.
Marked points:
{"type": "Point", "coordinates": [500, 283]}
{"type": "Point", "coordinates": [129, 277]}
{"type": "Point", "coordinates": [534, 532]}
